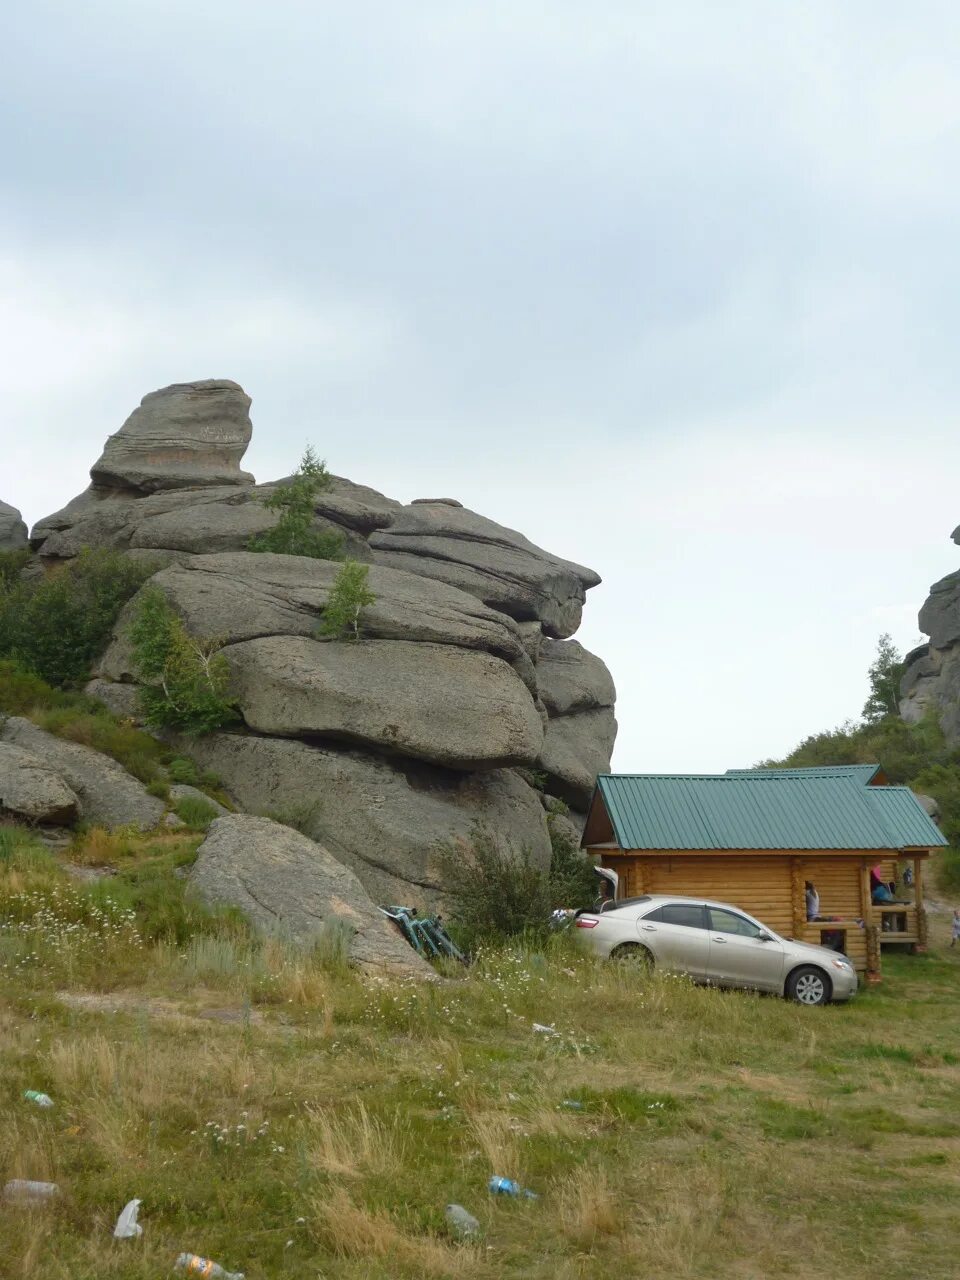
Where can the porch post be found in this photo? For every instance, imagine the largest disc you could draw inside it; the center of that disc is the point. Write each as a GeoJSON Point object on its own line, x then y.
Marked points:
{"type": "Point", "coordinates": [921, 945]}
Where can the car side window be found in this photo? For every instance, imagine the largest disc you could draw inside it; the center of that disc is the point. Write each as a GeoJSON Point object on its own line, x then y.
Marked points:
{"type": "Point", "coordinates": [729, 922]}
{"type": "Point", "coordinates": [686, 914]}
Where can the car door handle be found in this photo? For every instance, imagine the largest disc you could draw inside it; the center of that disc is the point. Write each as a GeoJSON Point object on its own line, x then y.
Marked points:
{"type": "Point", "coordinates": [650, 928]}
{"type": "Point", "coordinates": [715, 938]}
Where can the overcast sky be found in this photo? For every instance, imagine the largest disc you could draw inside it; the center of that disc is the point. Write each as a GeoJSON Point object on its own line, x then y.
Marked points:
{"type": "Point", "coordinates": [670, 288]}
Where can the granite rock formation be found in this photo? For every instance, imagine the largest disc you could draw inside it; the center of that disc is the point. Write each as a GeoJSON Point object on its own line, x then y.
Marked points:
{"type": "Point", "coordinates": [13, 532]}
{"type": "Point", "coordinates": [931, 679]}
{"type": "Point", "coordinates": [465, 690]}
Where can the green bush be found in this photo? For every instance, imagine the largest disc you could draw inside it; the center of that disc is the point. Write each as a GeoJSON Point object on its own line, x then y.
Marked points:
{"type": "Point", "coordinates": [185, 679]}
{"type": "Point", "coordinates": [55, 626]}
{"type": "Point", "coordinates": [497, 892]}
{"type": "Point", "coordinates": [182, 769]}
{"type": "Point", "coordinates": [572, 880]}
{"type": "Point", "coordinates": [195, 812]}
{"type": "Point", "coordinates": [12, 564]}
{"type": "Point", "coordinates": [348, 597]}
{"type": "Point", "coordinates": [294, 534]}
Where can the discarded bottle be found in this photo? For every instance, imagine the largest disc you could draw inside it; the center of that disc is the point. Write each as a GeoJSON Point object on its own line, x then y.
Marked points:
{"type": "Point", "coordinates": [571, 1104]}
{"type": "Point", "coordinates": [507, 1187]}
{"type": "Point", "coordinates": [197, 1266]}
{"type": "Point", "coordinates": [23, 1191]}
{"type": "Point", "coordinates": [41, 1099]}
{"type": "Point", "coordinates": [128, 1228]}
{"type": "Point", "coordinates": [540, 1029]}
{"type": "Point", "coordinates": [461, 1223]}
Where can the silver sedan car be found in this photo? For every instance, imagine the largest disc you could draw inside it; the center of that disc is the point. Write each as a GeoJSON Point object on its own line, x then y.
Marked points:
{"type": "Point", "coordinates": [715, 943]}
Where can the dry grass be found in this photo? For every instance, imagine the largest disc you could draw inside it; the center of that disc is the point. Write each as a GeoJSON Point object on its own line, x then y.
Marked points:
{"type": "Point", "coordinates": [353, 1231]}
{"type": "Point", "coordinates": [353, 1143]}
{"type": "Point", "coordinates": [588, 1206]}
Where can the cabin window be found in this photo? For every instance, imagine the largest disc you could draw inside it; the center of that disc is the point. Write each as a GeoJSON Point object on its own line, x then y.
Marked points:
{"type": "Point", "coordinates": [682, 913]}
{"type": "Point", "coordinates": [730, 922]}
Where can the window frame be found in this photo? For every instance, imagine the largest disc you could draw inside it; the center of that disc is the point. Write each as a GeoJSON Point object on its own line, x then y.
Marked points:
{"type": "Point", "coordinates": [655, 916]}
{"type": "Point", "coordinates": [729, 911]}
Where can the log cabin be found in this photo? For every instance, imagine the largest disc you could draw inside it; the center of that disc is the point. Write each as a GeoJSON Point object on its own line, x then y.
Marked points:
{"type": "Point", "coordinates": [755, 838]}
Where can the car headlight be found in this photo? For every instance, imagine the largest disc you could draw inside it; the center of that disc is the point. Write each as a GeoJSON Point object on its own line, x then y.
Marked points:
{"type": "Point", "coordinates": [841, 963]}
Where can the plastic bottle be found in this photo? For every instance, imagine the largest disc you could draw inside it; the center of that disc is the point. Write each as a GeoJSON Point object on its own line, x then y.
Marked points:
{"type": "Point", "coordinates": [462, 1223]}
{"type": "Point", "coordinates": [23, 1191]}
{"type": "Point", "coordinates": [197, 1266]}
{"type": "Point", "coordinates": [128, 1228]}
{"type": "Point", "coordinates": [41, 1099]}
{"type": "Point", "coordinates": [507, 1187]}
{"type": "Point", "coordinates": [571, 1104]}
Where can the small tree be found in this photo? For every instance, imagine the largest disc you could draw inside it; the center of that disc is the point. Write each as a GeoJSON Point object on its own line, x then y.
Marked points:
{"type": "Point", "coordinates": [294, 534]}
{"type": "Point", "coordinates": [884, 674]}
{"type": "Point", "coordinates": [185, 678]}
{"type": "Point", "coordinates": [349, 596]}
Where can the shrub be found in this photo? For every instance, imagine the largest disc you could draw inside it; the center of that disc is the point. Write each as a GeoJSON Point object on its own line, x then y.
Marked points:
{"type": "Point", "coordinates": [185, 679]}
{"type": "Point", "coordinates": [196, 812]}
{"type": "Point", "coordinates": [349, 596]}
{"type": "Point", "coordinates": [497, 892]}
{"type": "Point", "coordinates": [572, 881]}
{"type": "Point", "coordinates": [12, 564]}
{"type": "Point", "coordinates": [56, 625]}
{"type": "Point", "coordinates": [294, 533]}
{"type": "Point", "coordinates": [182, 769]}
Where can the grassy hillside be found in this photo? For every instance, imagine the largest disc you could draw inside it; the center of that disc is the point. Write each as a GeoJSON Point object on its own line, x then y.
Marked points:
{"type": "Point", "coordinates": [281, 1115]}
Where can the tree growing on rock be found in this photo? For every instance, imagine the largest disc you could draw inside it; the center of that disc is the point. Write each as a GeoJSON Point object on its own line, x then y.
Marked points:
{"type": "Point", "coordinates": [294, 534]}
{"type": "Point", "coordinates": [348, 598]}
{"type": "Point", "coordinates": [884, 674]}
{"type": "Point", "coordinates": [185, 678]}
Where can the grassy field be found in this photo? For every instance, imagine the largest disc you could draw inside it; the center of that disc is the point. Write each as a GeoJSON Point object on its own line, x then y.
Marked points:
{"type": "Point", "coordinates": [290, 1120]}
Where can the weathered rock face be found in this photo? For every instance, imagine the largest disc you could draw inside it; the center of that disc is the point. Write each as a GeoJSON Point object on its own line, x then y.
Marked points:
{"type": "Point", "coordinates": [288, 884]}
{"type": "Point", "coordinates": [13, 532]}
{"type": "Point", "coordinates": [192, 433]}
{"type": "Point", "coordinates": [105, 792]}
{"type": "Point", "coordinates": [31, 790]}
{"type": "Point", "coordinates": [385, 819]}
{"type": "Point", "coordinates": [499, 566]}
{"type": "Point", "coordinates": [451, 706]}
{"type": "Point", "coordinates": [931, 680]}
{"type": "Point", "coordinates": [392, 745]}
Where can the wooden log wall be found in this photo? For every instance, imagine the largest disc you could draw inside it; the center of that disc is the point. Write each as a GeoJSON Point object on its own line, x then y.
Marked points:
{"type": "Point", "coordinates": [760, 886]}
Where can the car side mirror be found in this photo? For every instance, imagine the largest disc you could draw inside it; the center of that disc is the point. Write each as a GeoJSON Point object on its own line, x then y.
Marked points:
{"type": "Point", "coordinates": [764, 937]}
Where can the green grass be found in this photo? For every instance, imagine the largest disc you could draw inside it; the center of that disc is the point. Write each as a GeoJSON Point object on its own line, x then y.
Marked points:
{"type": "Point", "coordinates": [278, 1113]}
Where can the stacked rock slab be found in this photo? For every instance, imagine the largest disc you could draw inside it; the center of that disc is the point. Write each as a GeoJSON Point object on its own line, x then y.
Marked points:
{"type": "Point", "coordinates": [464, 689]}
{"type": "Point", "coordinates": [931, 680]}
{"type": "Point", "coordinates": [13, 532]}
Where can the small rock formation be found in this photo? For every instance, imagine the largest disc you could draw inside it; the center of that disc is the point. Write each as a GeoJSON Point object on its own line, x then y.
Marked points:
{"type": "Point", "coordinates": [13, 532]}
{"type": "Point", "coordinates": [102, 791]}
{"type": "Point", "coordinates": [464, 690]}
{"type": "Point", "coordinates": [290, 885]}
{"type": "Point", "coordinates": [31, 791]}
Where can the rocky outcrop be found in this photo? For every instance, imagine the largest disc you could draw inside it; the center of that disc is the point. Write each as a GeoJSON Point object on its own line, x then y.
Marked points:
{"type": "Point", "coordinates": [106, 794]}
{"type": "Point", "coordinates": [464, 690]}
{"type": "Point", "coordinates": [451, 706]}
{"type": "Point", "coordinates": [291, 886]}
{"type": "Point", "coordinates": [188, 434]}
{"type": "Point", "coordinates": [497, 565]}
{"type": "Point", "coordinates": [386, 819]}
{"type": "Point", "coordinates": [931, 680]}
{"type": "Point", "coordinates": [31, 790]}
{"type": "Point", "coordinates": [13, 532]}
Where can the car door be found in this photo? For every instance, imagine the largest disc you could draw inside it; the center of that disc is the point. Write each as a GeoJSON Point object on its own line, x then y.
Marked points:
{"type": "Point", "coordinates": [676, 935]}
{"type": "Point", "coordinates": [738, 955]}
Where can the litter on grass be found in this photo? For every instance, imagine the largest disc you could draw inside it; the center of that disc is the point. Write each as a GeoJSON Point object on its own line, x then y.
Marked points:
{"type": "Point", "coordinates": [23, 1191]}
{"type": "Point", "coordinates": [128, 1228]}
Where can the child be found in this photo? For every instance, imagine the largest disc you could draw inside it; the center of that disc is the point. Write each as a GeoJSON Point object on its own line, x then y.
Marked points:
{"type": "Point", "coordinates": [955, 929]}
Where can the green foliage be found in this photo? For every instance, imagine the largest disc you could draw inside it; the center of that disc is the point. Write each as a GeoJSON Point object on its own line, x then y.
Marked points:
{"type": "Point", "coordinates": [294, 533]}
{"type": "Point", "coordinates": [349, 596]}
{"type": "Point", "coordinates": [185, 679]}
{"type": "Point", "coordinates": [499, 893]}
{"type": "Point", "coordinates": [56, 625]}
{"type": "Point", "coordinates": [182, 769]}
{"type": "Point", "coordinates": [884, 674]}
{"type": "Point", "coordinates": [12, 564]}
{"type": "Point", "coordinates": [196, 812]}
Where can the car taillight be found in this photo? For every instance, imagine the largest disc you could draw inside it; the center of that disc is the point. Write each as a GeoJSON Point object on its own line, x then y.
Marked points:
{"type": "Point", "coordinates": [586, 922]}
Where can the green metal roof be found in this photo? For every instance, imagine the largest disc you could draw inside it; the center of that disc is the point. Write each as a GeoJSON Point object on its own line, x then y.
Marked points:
{"type": "Point", "coordinates": [762, 810]}
{"type": "Point", "coordinates": [861, 773]}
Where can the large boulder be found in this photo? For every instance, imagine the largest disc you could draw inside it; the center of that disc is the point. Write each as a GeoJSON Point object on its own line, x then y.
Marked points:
{"type": "Point", "coordinates": [245, 595]}
{"type": "Point", "coordinates": [290, 885]}
{"type": "Point", "coordinates": [575, 749]}
{"type": "Point", "coordinates": [188, 434]}
{"type": "Point", "coordinates": [451, 706]}
{"type": "Point", "coordinates": [31, 790]}
{"type": "Point", "coordinates": [13, 532]}
{"type": "Point", "coordinates": [497, 565]}
{"type": "Point", "coordinates": [385, 819]}
{"type": "Point", "coordinates": [107, 794]}
{"type": "Point", "coordinates": [571, 678]}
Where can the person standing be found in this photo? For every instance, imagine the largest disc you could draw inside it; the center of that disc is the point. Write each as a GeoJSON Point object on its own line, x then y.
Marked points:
{"type": "Point", "coordinates": [955, 927]}
{"type": "Point", "coordinates": [813, 900]}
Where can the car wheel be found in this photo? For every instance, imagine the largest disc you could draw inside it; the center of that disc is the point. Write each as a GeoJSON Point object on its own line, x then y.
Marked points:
{"type": "Point", "coordinates": [809, 985]}
{"type": "Point", "coordinates": [632, 954]}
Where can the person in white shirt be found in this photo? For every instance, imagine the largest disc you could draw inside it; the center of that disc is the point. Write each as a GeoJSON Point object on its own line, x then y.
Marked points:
{"type": "Point", "coordinates": [813, 901]}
